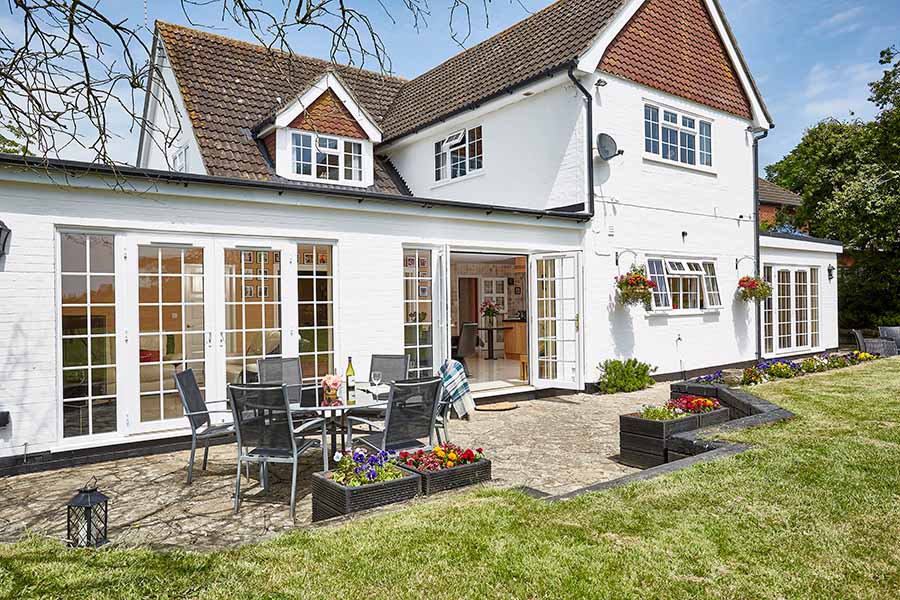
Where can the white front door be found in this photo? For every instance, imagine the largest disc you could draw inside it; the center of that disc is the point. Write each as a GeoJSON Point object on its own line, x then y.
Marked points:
{"type": "Point", "coordinates": [214, 305]}
{"type": "Point", "coordinates": [555, 297]}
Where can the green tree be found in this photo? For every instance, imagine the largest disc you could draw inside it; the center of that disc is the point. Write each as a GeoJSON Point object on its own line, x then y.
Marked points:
{"type": "Point", "coordinates": [848, 174]}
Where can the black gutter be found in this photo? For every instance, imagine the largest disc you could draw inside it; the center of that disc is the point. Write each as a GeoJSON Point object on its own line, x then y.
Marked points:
{"type": "Point", "coordinates": [756, 253]}
{"type": "Point", "coordinates": [589, 122]}
{"type": "Point", "coordinates": [162, 177]}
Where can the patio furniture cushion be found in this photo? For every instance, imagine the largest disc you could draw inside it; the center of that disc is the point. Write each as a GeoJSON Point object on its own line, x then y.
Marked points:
{"type": "Point", "coordinates": [890, 333]}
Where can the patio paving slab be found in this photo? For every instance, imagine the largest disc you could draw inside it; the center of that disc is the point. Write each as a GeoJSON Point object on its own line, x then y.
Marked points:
{"type": "Point", "coordinates": [554, 445]}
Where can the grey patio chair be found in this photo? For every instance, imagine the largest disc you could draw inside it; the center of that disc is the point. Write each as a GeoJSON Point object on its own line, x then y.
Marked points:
{"type": "Point", "coordinates": [263, 413]}
{"type": "Point", "coordinates": [466, 346]}
{"type": "Point", "coordinates": [195, 409]}
{"type": "Point", "coordinates": [409, 416]}
{"type": "Point", "coordinates": [878, 346]}
{"type": "Point", "coordinates": [890, 333]}
{"type": "Point", "coordinates": [393, 367]}
{"type": "Point", "coordinates": [442, 417]}
{"type": "Point", "coordinates": [287, 372]}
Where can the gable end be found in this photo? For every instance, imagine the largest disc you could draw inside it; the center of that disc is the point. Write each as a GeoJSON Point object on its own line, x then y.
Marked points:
{"type": "Point", "coordinates": [328, 115]}
{"type": "Point", "coordinates": [673, 46]}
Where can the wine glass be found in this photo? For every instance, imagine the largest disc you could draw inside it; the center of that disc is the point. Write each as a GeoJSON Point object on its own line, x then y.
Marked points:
{"type": "Point", "coordinates": [376, 378]}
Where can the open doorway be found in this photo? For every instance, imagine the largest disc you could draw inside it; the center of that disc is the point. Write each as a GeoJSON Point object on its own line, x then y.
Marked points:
{"type": "Point", "coordinates": [495, 351]}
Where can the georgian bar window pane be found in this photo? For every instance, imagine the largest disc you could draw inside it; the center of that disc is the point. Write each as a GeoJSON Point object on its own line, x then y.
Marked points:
{"type": "Point", "coordinates": [651, 129]}
{"type": "Point", "coordinates": [814, 307]}
{"type": "Point", "coordinates": [418, 311]}
{"type": "Point", "coordinates": [658, 276]}
{"type": "Point", "coordinates": [767, 314]}
{"type": "Point", "coordinates": [353, 161]}
{"type": "Point", "coordinates": [785, 324]}
{"type": "Point", "coordinates": [458, 154]}
{"type": "Point", "coordinates": [327, 159]}
{"type": "Point", "coordinates": [302, 153]}
{"type": "Point", "coordinates": [88, 332]}
{"type": "Point", "coordinates": [705, 144]}
{"type": "Point", "coordinates": [679, 137]}
{"type": "Point", "coordinates": [315, 311]}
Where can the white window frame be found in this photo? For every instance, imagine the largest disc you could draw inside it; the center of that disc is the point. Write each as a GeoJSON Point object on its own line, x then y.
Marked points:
{"type": "Point", "coordinates": [670, 274]}
{"type": "Point", "coordinates": [179, 161]}
{"type": "Point", "coordinates": [686, 126]}
{"type": "Point", "coordinates": [461, 143]}
{"type": "Point", "coordinates": [345, 163]}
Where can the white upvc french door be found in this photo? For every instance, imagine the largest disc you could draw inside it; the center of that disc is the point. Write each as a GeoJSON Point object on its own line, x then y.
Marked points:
{"type": "Point", "coordinates": [556, 355]}
{"type": "Point", "coordinates": [443, 314]}
{"type": "Point", "coordinates": [255, 304]}
{"type": "Point", "coordinates": [211, 304]}
{"type": "Point", "coordinates": [169, 325]}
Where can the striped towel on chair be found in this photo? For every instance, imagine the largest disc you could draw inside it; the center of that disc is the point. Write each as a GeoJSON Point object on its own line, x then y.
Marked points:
{"type": "Point", "coordinates": [456, 384]}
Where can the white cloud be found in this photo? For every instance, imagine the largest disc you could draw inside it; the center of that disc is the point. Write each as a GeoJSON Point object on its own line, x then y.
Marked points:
{"type": "Point", "coordinates": [846, 21]}
{"type": "Point", "coordinates": [835, 91]}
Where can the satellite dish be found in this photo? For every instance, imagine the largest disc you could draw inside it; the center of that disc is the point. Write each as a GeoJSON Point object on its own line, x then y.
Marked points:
{"type": "Point", "coordinates": [607, 147]}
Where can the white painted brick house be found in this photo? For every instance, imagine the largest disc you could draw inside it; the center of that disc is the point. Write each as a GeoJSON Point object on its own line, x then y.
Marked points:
{"type": "Point", "coordinates": [285, 206]}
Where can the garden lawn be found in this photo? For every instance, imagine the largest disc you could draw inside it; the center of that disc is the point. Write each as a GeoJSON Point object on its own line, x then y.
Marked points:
{"type": "Point", "coordinates": [813, 511]}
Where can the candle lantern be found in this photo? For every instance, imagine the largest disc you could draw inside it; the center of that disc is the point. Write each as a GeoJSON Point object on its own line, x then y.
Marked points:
{"type": "Point", "coordinates": [87, 517]}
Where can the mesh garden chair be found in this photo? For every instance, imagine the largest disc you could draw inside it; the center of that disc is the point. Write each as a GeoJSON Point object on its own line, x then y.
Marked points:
{"type": "Point", "coordinates": [393, 367]}
{"type": "Point", "coordinates": [263, 413]}
{"type": "Point", "coordinates": [287, 372]}
{"type": "Point", "coordinates": [467, 344]}
{"type": "Point", "coordinates": [409, 416]}
{"type": "Point", "coordinates": [878, 346]}
{"type": "Point", "coordinates": [890, 333]}
{"type": "Point", "coordinates": [195, 409]}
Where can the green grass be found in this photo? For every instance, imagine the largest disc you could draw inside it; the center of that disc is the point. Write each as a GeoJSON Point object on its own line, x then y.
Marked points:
{"type": "Point", "coordinates": [813, 511]}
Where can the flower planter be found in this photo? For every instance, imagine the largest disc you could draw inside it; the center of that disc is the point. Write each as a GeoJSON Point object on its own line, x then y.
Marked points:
{"type": "Point", "coordinates": [331, 499]}
{"type": "Point", "coordinates": [642, 442]}
{"type": "Point", "coordinates": [454, 477]}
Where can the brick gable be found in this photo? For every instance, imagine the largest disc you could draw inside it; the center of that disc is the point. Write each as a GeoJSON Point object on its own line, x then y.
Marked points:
{"type": "Point", "coordinates": [673, 46]}
{"type": "Point", "coordinates": [327, 114]}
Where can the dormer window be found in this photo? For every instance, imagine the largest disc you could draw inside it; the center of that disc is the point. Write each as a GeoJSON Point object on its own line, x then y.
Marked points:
{"type": "Point", "coordinates": [333, 157]}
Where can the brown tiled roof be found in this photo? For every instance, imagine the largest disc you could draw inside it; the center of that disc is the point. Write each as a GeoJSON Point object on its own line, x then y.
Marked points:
{"type": "Point", "coordinates": [673, 46]}
{"type": "Point", "coordinates": [545, 41]}
{"type": "Point", "coordinates": [327, 114]}
{"type": "Point", "coordinates": [775, 194]}
{"type": "Point", "coordinates": [229, 86]}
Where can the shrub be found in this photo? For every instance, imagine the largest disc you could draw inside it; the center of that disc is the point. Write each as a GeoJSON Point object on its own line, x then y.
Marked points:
{"type": "Point", "coordinates": [628, 376]}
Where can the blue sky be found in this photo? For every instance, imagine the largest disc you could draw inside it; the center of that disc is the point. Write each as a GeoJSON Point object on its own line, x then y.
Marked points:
{"type": "Point", "coordinates": [811, 58]}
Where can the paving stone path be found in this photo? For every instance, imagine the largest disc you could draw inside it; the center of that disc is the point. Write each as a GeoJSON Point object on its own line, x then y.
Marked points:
{"type": "Point", "coordinates": [554, 445]}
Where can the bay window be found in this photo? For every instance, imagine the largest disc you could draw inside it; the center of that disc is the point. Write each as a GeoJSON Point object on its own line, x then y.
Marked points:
{"type": "Point", "coordinates": [684, 284]}
{"type": "Point", "coordinates": [679, 135]}
{"type": "Point", "coordinates": [459, 154]}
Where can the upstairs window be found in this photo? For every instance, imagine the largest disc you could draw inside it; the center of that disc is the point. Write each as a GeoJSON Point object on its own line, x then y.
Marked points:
{"type": "Point", "coordinates": [676, 137]}
{"type": "Point", "coordinates": [327, 158]}
{"type": "Point", "coordinates": [684, 284]}
{"type": "Point", "coordinates": [459, 154]}
{"type": "Point", "coordinates": [179, 159]}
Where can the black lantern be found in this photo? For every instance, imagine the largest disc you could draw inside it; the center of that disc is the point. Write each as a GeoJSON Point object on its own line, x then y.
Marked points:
{"type": "Point", "coordinates": [87, 516]}
{"type": "Point", "coordinates": [4, 238]}
{"type": "Point", "coordinates": [830, 272]}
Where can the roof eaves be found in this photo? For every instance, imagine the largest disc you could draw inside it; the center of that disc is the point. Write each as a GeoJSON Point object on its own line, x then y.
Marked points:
{"type": "Point", "coordinates": [800, 238]}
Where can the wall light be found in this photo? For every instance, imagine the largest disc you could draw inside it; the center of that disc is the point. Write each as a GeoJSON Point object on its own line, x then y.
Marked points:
{"type": "Point", "coordinates": [830, 272]}
{"type": "Point", "coordinates": [5, 233]}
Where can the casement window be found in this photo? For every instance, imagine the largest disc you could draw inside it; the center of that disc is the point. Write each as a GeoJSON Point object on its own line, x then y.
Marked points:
{"type": "Point", "coordinates": [327, 158]}
{"type": "Point", "coordinates": [459, 154]}
{"type": "Point", "coordinates": [684, 284]}
{"type": "Point", "coordinates": [791, 315]}
{"type": "Point", "coordinates": [678, 137]}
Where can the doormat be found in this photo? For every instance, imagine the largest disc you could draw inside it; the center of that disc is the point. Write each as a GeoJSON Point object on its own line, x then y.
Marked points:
{"type": "Point", "coordinates": [497, 407]}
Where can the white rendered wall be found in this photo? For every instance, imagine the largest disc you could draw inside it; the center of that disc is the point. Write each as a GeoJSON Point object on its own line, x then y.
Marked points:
{"type": "Point", "coordinates": [533, 153]}
{"type": "Point", "coordinates": [369, 240]}
{"type": "Point", "coordinates": [648, 208]}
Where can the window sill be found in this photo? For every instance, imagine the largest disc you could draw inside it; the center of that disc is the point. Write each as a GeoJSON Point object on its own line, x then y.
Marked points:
{"type": "Point", "coordinates": [682, 313]}
{"type": "Point", "coordinates": [653, 158]}
{"type": "Point", "coordinates": [440, 184]}
{"type": "Point", "coordinates": [309, 179]}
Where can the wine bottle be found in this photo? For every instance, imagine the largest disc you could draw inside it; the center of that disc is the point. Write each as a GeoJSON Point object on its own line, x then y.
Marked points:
{"type": "Point", "coordinates": [351, 382]}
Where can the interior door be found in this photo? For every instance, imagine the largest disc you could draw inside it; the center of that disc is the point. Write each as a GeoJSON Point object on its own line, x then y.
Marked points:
{"type": "Point", "coordinates": [169, 325]}
{"type": "Point", "coordinates": [555, 297]}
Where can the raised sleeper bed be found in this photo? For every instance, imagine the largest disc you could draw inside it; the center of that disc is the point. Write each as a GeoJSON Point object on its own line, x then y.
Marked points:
{"type": "Point", "coordinates": [433, 482]}
{"type": "Point", "coordinates": [642, 442]}
{"type": "Point", "coordinates": [331, 499]}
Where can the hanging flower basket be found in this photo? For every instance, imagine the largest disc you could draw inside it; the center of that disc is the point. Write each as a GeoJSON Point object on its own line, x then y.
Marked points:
{"type": "Point", "coordinates": [635, 288]}
{"type": "Point", "coordinates": [753, 288]}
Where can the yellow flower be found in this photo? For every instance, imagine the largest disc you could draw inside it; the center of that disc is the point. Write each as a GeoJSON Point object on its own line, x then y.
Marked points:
{"type": "Point", "coordinates": [439, 452]}
{"type": "Point", "coordinates": [449, 465]}
{"type": "Point", "coordinates": [452, 456]}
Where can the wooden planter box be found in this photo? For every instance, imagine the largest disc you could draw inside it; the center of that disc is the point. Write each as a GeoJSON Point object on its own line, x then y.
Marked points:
{"type": "Point", "coordinates": [642, 442]}
{"type": "Point", "coordinates": [448, 479]}
{"type": "Point", "coordinates": [331, 499]}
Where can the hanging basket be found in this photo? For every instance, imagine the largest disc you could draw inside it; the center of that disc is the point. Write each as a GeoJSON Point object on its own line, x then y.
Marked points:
{"type": "Point", "coordinates": [634, 288]}
{"type": "Point", "coordinates": [753, 289]}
